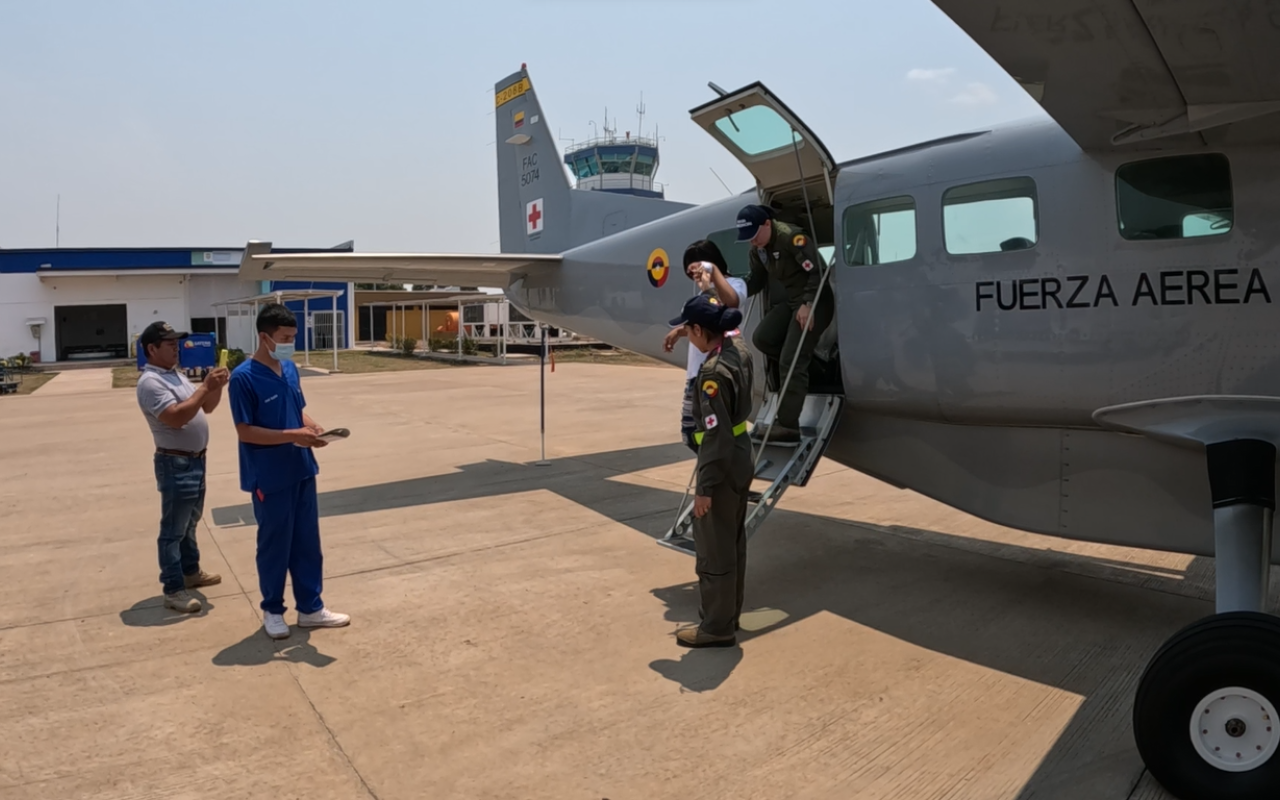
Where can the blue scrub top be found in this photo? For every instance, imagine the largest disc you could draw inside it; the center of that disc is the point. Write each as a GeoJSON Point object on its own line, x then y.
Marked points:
{"type": "Point", "coordinates": [260, 397]}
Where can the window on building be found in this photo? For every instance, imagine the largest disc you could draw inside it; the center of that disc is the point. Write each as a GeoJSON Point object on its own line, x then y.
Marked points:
{"type": "Point", "coordinates": [990, 217]}
{"type": "Point", "coordinates": [880, 232]}
{"type": "Point", "coordinates": [611, 163]}
{"type": "Point", "coordinates": [473, 313]}
{"type": "Point", "coordinates": [1179, 197]}
{"type": "Point", "coordinates": [586, 166]}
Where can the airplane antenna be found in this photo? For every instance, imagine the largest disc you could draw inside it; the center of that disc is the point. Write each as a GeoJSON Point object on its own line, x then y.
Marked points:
{"type": "Point", "coordinates": [722, 183]}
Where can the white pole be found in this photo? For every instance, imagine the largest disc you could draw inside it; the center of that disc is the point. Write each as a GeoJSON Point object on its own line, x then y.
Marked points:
{"type": "Point", "coordinates": [460, 329]}
{"type": "Point", "coordinates": [306, 322]}
{"type": "Point", "coordinates": [423, 311]}
{"type": "Point", "coordinates": [542, 399]}
{"type": "Point", "coordinates": [335, 335]}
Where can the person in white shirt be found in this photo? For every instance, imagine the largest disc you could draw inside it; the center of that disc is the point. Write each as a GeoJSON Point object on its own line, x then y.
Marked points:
{"type": "Point", "coordinates": [704, 264]}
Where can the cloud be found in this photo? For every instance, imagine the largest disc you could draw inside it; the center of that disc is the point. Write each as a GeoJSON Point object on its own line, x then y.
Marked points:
{"type": "Point", "coordinates": [976, 94]}
{"type": "Point", "coordinates": [931, 75]}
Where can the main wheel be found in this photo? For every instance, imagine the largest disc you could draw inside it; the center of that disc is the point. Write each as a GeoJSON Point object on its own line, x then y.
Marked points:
{"type": "Point", "coordinates": [1206, 717]}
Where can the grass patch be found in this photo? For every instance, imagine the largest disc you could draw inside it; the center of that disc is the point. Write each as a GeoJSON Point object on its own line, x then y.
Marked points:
{"type": "Point", "coordinates": [124, 377]}
{"type": "Point", "coordinates": [28, 382]}
{"type": "Point", "coordinates": [589, 355]}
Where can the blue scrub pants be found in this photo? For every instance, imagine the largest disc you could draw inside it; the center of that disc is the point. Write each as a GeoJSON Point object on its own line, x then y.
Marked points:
{"type": "Point", "coordinates": [289, 542]}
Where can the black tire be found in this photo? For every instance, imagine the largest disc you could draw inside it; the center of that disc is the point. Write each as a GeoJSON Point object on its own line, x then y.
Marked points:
{"type": "Point", "coordinates": [1236, 649]}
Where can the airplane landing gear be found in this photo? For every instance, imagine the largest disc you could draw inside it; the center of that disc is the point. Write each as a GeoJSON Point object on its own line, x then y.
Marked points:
{"type": "Point", "coordinates": [1206, 717]}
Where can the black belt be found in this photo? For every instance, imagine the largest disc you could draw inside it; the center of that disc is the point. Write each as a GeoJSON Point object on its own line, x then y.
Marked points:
{"type": "Point", "coordinates": [186, 453]}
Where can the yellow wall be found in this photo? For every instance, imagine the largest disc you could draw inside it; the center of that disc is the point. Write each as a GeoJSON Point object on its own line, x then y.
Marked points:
{"type": "Point", "coordinates": [438, 318]}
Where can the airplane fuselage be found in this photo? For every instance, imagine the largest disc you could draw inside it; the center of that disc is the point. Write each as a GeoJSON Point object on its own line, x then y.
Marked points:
{"type": "Point", "coordinates": [972, 377]}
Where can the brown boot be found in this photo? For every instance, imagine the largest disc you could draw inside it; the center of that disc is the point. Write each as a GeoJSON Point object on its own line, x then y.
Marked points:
{"type": "Point", "coordinates": [694, 636]}
{"type": "Point", "coordinates": [201, 578]}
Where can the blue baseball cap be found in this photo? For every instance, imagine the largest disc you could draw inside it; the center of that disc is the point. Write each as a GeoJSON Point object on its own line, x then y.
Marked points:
{"type": "Point", "coordinates": [750, 218]}
{"type": "Point", "coordinates": [701, 310]}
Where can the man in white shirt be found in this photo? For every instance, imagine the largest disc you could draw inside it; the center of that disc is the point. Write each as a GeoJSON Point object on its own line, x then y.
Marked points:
{"type": "Point", "coordinates": [704, 264]}
{"type": "Point", "coordinates": [175, 410]}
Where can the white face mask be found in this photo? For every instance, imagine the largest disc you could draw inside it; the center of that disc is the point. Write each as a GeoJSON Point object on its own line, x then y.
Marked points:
{"type": "Point", "coordinates": [281, 351]}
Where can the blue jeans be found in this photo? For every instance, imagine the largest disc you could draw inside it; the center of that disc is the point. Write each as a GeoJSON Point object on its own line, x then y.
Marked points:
{"type": "Point", "coordinates": [180, 480]}
{"type": "Point", "coordinates": [289, 546]}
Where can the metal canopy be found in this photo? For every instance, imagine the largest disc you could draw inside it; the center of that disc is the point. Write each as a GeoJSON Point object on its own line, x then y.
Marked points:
{"type": "Point", "coordinates": [305, 295]}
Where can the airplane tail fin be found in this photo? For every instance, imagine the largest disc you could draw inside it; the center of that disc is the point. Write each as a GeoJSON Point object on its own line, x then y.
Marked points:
{"type": "Point", "coordinates": [538, 210]}
{"type": "Point", "coordinates": [532, 187]}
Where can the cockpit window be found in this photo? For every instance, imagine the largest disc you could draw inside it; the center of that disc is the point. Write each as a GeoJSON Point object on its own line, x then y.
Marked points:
{"type": "Point", "coordinates": [990, 217]}
{"type": "Point", "coordinates": [758, 129]}
{"type": "Point", "coordinates": [1177, 197]}
{"type": "Point", "coordinates": [880, 232]}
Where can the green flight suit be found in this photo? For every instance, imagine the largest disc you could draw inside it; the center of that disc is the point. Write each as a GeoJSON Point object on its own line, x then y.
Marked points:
{"type": "Point", "coordinates": [722, 404]}
{"type": "Point", "coordinates": [791, 258]}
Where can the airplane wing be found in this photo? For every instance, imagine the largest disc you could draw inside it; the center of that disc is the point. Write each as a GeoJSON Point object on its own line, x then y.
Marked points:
{"type": "Point", "coordinates": [1148, 72]}
{"type": "Point", "coordinates": [495, 271]}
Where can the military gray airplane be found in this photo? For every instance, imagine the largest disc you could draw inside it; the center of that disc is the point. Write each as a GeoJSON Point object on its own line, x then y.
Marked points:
{"type": "Point", "coordinates": [1063, 326]}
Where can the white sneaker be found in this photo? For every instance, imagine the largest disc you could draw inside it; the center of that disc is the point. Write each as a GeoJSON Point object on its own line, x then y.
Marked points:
{"type": "Point", "coordinates": [324, 618]}
{"type": "Point", "coordinates": [275, 625]}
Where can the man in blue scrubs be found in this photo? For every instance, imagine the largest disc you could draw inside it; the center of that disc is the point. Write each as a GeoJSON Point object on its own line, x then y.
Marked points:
{"type": "Point", "coordinates": [279, 470]}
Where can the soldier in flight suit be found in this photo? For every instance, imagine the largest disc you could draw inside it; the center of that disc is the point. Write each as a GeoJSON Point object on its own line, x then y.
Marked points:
{"type": "Point", "coordinates": [722, 402]}
{"type": "Point", "coordinates": [790, 256]}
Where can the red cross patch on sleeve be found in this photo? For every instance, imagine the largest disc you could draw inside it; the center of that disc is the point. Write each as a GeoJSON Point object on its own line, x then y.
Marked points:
{"type": "Point", "coordinates": [711, 421]}
{"type": "Point", "coordinates": [807, 264]}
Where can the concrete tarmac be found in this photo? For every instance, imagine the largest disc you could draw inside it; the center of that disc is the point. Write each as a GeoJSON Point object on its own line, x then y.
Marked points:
{"type": "Point", "coordinates": [511, 624]}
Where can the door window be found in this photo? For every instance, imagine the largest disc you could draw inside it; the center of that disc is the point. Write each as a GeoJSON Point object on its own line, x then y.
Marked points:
{"type": "Point", "coordinates": [880, 232]}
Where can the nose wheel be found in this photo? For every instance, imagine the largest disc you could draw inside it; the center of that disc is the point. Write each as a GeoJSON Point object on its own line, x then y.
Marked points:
{"type": "Point", "coordinates": [1205, 717]}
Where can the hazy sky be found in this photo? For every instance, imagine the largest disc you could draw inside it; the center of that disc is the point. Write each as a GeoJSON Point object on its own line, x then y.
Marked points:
{"type": "Point", "coordinates": [168, 123]}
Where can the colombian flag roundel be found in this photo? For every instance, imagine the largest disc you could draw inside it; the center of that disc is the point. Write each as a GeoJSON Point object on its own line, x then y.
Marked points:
{"type": "Point", "coordinates": [659, 267]}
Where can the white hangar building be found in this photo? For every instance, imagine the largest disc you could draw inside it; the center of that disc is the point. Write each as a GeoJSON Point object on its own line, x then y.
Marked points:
{"type": "Point", "coordinates": [83, 304]}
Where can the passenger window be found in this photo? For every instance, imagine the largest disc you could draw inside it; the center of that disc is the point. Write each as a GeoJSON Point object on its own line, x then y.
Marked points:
{"type": "Point", "coordinates": [1178, 197]}
{"type": "Point", "coordinates": [990, 217]}
{"type": "Point", "coordinates": [880, 232]}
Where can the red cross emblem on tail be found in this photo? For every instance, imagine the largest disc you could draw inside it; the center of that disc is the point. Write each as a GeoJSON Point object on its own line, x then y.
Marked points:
{"type": "Point", "coordinates": [533, 217]}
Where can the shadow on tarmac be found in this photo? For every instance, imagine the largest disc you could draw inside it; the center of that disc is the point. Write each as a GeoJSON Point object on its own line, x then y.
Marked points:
{"type": "Point", "coordinates": [152, 613]}
{"type": "Point", "coordinates": [1025, 612]}
{"type": "Point", "coordinates": [258, 649]}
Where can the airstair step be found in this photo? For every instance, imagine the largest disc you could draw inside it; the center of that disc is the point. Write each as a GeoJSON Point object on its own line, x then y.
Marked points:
{"type": "Point", "coordinates": [782, 465]}
{"type": "Point", "coordinates": [682, 544]}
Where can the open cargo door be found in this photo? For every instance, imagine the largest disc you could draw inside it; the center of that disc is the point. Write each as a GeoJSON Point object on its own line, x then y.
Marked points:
{"type": "Point", "coordinates": [766, 138]}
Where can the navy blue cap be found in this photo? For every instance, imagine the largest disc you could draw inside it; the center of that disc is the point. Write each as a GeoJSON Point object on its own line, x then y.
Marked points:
{"type": "Point", "coordinates": [701, 310]}
{"type": "Point", "coordinates": [750, 218]}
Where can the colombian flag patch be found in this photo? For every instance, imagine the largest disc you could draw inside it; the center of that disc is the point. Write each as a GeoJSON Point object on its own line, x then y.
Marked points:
{"type": "Point", "coordinates": [799, 240]}
{"type": "Point", "coordinates": [710, 389]}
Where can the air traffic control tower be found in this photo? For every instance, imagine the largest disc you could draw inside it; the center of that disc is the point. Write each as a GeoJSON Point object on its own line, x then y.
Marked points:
{"type": "Point", "coordinates": [623, 165]}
